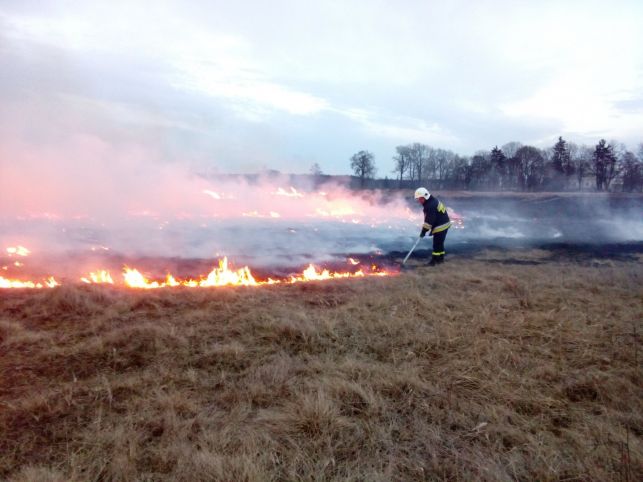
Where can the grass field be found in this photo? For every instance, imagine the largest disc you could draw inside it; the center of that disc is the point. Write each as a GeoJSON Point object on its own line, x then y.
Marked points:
{"type": "Point", "coordinates": [491, 368]}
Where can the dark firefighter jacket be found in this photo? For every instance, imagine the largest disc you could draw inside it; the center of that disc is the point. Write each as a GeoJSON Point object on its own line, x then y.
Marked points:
{"type": "Point", "coordinates": [436, 218]}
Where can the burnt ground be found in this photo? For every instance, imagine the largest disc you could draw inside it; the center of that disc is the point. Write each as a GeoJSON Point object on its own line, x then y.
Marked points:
{"type": "Point", "coordinates": [497, 228]}
{"type": "Point", "coordinates": [551, 252]}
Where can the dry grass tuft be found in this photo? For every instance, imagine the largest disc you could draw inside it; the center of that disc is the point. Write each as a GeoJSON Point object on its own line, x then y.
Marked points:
{"type": "Point", "coordinates": [476, 370]}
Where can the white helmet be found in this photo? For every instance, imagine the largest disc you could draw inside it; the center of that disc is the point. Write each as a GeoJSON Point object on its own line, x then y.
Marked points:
{"type": "Point", "coordinates": [422, 192]}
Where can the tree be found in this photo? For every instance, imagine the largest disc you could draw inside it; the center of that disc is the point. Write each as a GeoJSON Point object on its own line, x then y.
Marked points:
{"type": "Point", "coordinates": [632, 169]}
{"type": "Point", "coordinates": [461, 171]}
{"type": "Point", "coordinates": [480, 167]}
{"type": "Point", "coordinates": [559, 159]}
{"type": "Point", "coordinates": [605, 168]}
{"type": "Point", "coordinates": [443, 163]}
{"type": "Point", "coordinates": [560, 156]}
{"type": "Point", "coordinates": [315, 170]}
{"type": "Point", "coordinates": [569, 166]}
{"type": "Point", "coordinates": [498, 166]}
{"type": "Point", "coordinates": [531, 168]}
{"type": "Point", "coordinates": [510, 148]}
{"type": "Point", "coordinates": [402, 162]}
{"type": "Point", "coordinates": [363, 166]}
{"type": "Point", "coordinates": [581, 159]}
{"type": "Point", "coordinates": [419, 157]}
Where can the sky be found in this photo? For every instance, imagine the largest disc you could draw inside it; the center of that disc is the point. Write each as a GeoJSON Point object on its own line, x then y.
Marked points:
{"type": "Point", "coordinates": [246, 86]}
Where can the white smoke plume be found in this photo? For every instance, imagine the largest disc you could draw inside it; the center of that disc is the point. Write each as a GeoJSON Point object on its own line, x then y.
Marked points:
{"type": "Point", "coordinates": [88, 197]}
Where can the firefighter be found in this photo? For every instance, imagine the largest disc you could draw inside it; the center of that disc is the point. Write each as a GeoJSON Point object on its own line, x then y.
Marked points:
{"type": "Point", "coordinates": [436, 223]}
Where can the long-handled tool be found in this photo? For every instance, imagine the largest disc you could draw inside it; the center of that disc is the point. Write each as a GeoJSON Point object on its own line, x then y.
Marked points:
{"type": "Point", "coordinates": [414, 246]}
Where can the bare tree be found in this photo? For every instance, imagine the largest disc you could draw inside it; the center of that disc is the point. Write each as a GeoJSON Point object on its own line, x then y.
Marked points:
{"type": "Point", "coordinates": [581, 158]}
{"type": "Point", "coordinates": [632, 169]}
{"type": "Point", "coordinates": [402, 162]}
{"type": "Point", "coordinates": [418, 154]}
{"type": "Point", "coordinates": [510, 148]}
{"type": "Point", "coordinates": [363, 166]}
{"type": "Point", "coordinates": [461, 171]}
{"type": "Point", "coordinates": [443, 160]}
{"type": "Point", "coordinates": [531, 167]}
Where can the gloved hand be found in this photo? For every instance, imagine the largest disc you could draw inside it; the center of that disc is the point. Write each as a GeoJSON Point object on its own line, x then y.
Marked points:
{"type": "Point", "coordinates": [423, 233]}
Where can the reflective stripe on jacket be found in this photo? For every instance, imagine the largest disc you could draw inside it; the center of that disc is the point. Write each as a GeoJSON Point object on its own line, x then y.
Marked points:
{"type": "Point", "coordinates": [436, 218]}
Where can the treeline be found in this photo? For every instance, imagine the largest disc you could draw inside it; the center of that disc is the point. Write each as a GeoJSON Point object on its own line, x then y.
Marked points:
{"type": "Point", "coordinates": [564, 166]}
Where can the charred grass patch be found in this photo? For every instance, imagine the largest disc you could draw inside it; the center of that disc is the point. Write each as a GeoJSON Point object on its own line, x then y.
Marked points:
{"type": "Point", "coordinates": [471, 371]}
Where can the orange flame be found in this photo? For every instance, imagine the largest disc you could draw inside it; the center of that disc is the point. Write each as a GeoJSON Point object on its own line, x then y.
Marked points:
{"type": "Point", "coordinates": [311, 274]}
{"type": "Point", "coordinates": [13, 283]}
{"type": "Point", "coordinates": [220, 276]}
{"type": "Point", "coordinates": [99, 277]}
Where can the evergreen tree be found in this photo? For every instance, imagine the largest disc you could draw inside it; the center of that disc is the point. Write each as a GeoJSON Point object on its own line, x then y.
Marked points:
{"type": "Point", "coordinates": [604, 165]}
{"type": "Point", "coordinates": [560, 157]}
{"type": "Point", "coordinates": [560, 161]}
{"type": "Point", "coordinates": [498, 165]}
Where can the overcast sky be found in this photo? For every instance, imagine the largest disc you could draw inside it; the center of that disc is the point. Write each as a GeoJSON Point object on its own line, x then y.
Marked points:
{"type": "Point", "coordinates": [249, 85]}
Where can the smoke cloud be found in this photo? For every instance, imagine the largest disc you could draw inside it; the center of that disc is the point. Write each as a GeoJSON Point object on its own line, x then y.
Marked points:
{"type": "Point", "coordinates": [86, 198]}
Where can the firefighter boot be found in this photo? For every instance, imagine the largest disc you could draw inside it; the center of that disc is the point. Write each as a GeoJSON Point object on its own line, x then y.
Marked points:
{"type": "Point", "coordinates": [435, 260]}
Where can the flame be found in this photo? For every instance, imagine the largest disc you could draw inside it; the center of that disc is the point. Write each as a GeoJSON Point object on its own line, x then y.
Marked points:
{"type": "Point", "coordinates": [337, 209]}
{"type": "Point", "coordinates": [293, 192]}
{"type": "Point", "coordinates": [134, 279]}
{"type": "Point", "coordinates": [221, 275]}
{"type": "Point", "coordinates": [99, 277]}
{"type": "Point", "coordinates": [224, 276]}
{"type": "Point", "coordinates": [18, 250]}
{"type": "Point", "coordinates": [457, 221]}
{"type": "Point", "coordinates": [311, 274]}
{"type": "Point", "coordinates": [13, 283]}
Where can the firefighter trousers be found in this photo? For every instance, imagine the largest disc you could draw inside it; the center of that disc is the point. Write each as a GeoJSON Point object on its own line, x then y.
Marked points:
{"type": "Point", "coordinates": [438, 245]}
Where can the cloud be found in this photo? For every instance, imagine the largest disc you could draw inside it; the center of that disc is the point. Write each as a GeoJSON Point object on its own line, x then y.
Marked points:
{"type": "Point", "coordinates": [251, 97]}
{"type": "Point", "coordinates": [211, 79]}
{"type": "Point", "coordinates": [398, 128]}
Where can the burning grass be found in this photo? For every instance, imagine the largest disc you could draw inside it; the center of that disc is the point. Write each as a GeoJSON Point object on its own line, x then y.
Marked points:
{"type": "Point", "coordinates": [474, 370]}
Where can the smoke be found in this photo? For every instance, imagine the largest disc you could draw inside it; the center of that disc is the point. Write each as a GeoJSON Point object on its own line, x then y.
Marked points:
{"type": "Point", "coordinates": [533, 219]}
{"type": "Point", "coordinates": [83, 196]}
{"type": "Point", "coordinates": [87, 196]}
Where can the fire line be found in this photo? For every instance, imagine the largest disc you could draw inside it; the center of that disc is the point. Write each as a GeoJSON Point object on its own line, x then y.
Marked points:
{"type": "Point", "coordinates": [221, 275]}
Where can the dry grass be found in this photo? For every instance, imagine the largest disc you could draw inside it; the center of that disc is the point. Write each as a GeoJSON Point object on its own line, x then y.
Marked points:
{"type": "Point", "coordinates": [471, 371]}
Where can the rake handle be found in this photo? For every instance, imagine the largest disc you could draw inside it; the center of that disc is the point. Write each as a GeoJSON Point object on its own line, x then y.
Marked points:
{"type": "Point", "coordinates": [412, 249]}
